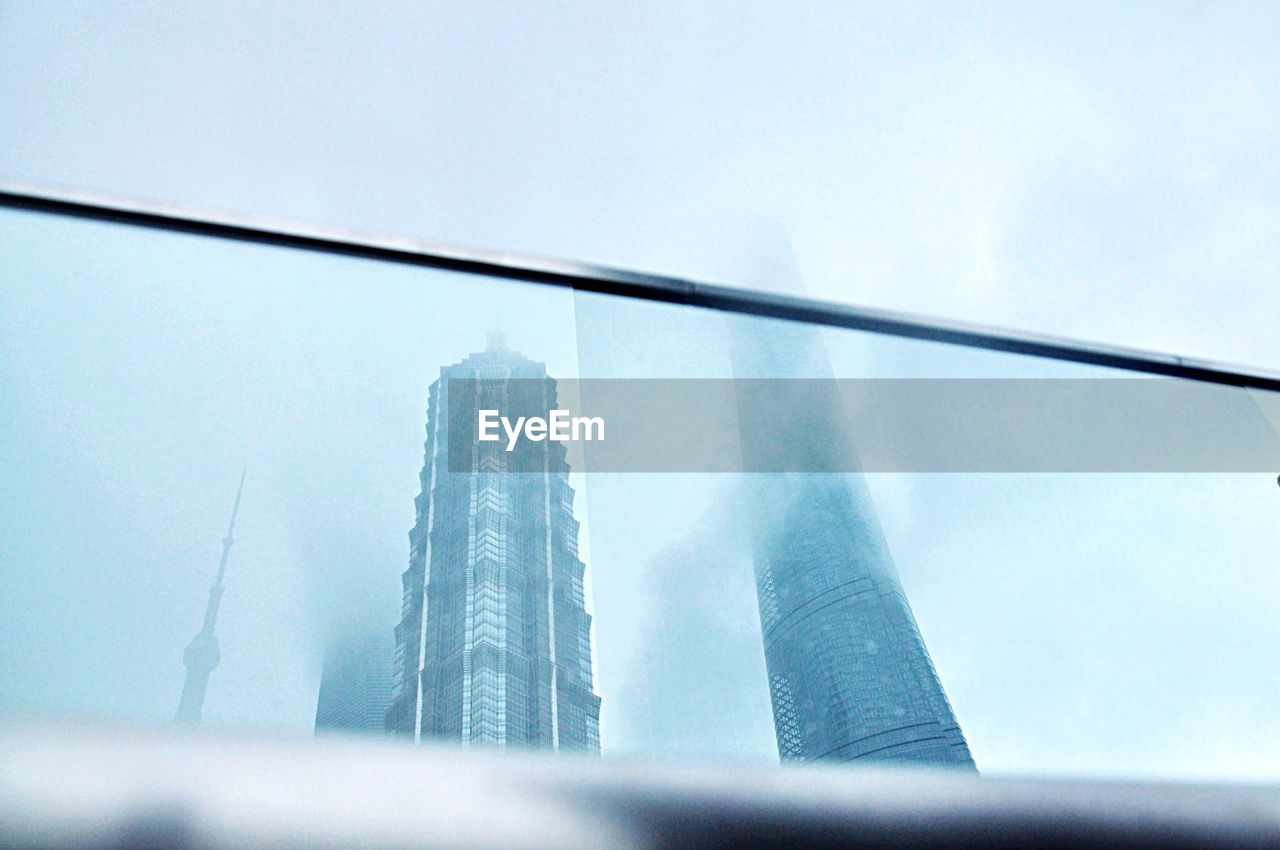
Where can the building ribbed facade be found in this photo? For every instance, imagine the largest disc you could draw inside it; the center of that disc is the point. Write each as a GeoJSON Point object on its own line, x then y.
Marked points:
{"type": "Point", "coordinates": [493, 646]}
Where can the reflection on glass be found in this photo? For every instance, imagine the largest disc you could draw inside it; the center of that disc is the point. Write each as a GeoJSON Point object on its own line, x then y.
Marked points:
{"type": "Point", "coordinates": [1100, 624]}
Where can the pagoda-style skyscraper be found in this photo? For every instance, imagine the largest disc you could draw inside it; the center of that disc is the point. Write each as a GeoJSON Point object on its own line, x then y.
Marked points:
{"type": "Point", "coordinates": [493, 646]}
{"type": "Point", "coordinates": [202, 654]}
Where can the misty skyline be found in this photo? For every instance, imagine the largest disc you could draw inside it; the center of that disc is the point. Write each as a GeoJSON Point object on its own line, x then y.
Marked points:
{"type": "Point", "coordinates": [148, 368]}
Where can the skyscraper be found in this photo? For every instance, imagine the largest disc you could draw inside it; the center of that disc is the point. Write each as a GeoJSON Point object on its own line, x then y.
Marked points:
{"type": "Point", "coordinates": [355, 682]}
{"type": "Point", "coordinates": [493, 645]}
{"type": "Point", "coordinates": [849, 675]}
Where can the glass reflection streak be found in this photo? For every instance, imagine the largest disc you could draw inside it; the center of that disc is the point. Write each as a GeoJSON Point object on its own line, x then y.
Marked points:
{"type": "Point", "coordinates": [493, 646]}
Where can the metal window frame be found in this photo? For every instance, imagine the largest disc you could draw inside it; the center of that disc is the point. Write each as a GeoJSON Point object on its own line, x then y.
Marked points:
{"type": "Point", "coordinates": [587, 277]}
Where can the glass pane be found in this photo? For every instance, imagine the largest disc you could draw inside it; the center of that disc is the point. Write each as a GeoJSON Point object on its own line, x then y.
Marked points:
{"type": "Point", "coordinates": [1109, 622]}
{"type": "Point", "coordinates": [142, 372]}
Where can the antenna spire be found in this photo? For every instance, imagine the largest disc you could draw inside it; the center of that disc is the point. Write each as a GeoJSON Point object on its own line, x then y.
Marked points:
{"type": "Point", "coordinates": [231, 527]}
{"type": "Point", "coordinates": [202, 654]}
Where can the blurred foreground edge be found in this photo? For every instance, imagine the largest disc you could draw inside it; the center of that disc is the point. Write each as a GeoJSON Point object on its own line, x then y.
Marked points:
{"type": "Point", "coordinates": [79, 785]}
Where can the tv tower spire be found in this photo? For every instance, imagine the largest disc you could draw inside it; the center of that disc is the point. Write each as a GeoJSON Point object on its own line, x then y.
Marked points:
{"type": "Point", "coordinates": [202, 654]}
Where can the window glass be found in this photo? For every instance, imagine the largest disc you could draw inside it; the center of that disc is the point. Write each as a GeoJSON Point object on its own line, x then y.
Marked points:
{"type": "Point", "coordinates": [1110, 620]}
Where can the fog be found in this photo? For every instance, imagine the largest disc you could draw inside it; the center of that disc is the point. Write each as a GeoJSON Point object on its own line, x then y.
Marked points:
{"type": "Point", "coordinates": [1093, 171]}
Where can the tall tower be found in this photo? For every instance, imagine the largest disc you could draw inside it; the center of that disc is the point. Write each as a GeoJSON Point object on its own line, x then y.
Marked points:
{"type": "Point", "coordinates": [493, 646]}
{"type": "Point", "coordinates": [355, 682]}
{"type": "Point", "coordinates": [202, 654]}
{"type": "Point", "coordinates": [849, 675]}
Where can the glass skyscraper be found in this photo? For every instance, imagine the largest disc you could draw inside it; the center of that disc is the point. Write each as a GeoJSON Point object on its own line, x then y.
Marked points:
{"type": "Point", "coordinates": [849, 675]}
{"type": "Point", "coordinates": [493, 645]}
{"type": "Point", "coordinates": [355, 682]}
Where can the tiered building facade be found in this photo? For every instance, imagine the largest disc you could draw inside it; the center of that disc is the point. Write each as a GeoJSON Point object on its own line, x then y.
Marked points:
{"type": "Point", "coordinates": [494, 642]}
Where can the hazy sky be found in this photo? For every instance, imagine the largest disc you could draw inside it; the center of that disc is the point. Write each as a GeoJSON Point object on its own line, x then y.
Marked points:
{"type": "Point", "coordinates": [1103, 170]}
{"type": "Point", "coordinates": [1100, 171]}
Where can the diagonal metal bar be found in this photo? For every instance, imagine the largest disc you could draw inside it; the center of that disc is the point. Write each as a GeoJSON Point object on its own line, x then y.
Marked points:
{"type": "Point", "coordinates": [586, 277]}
